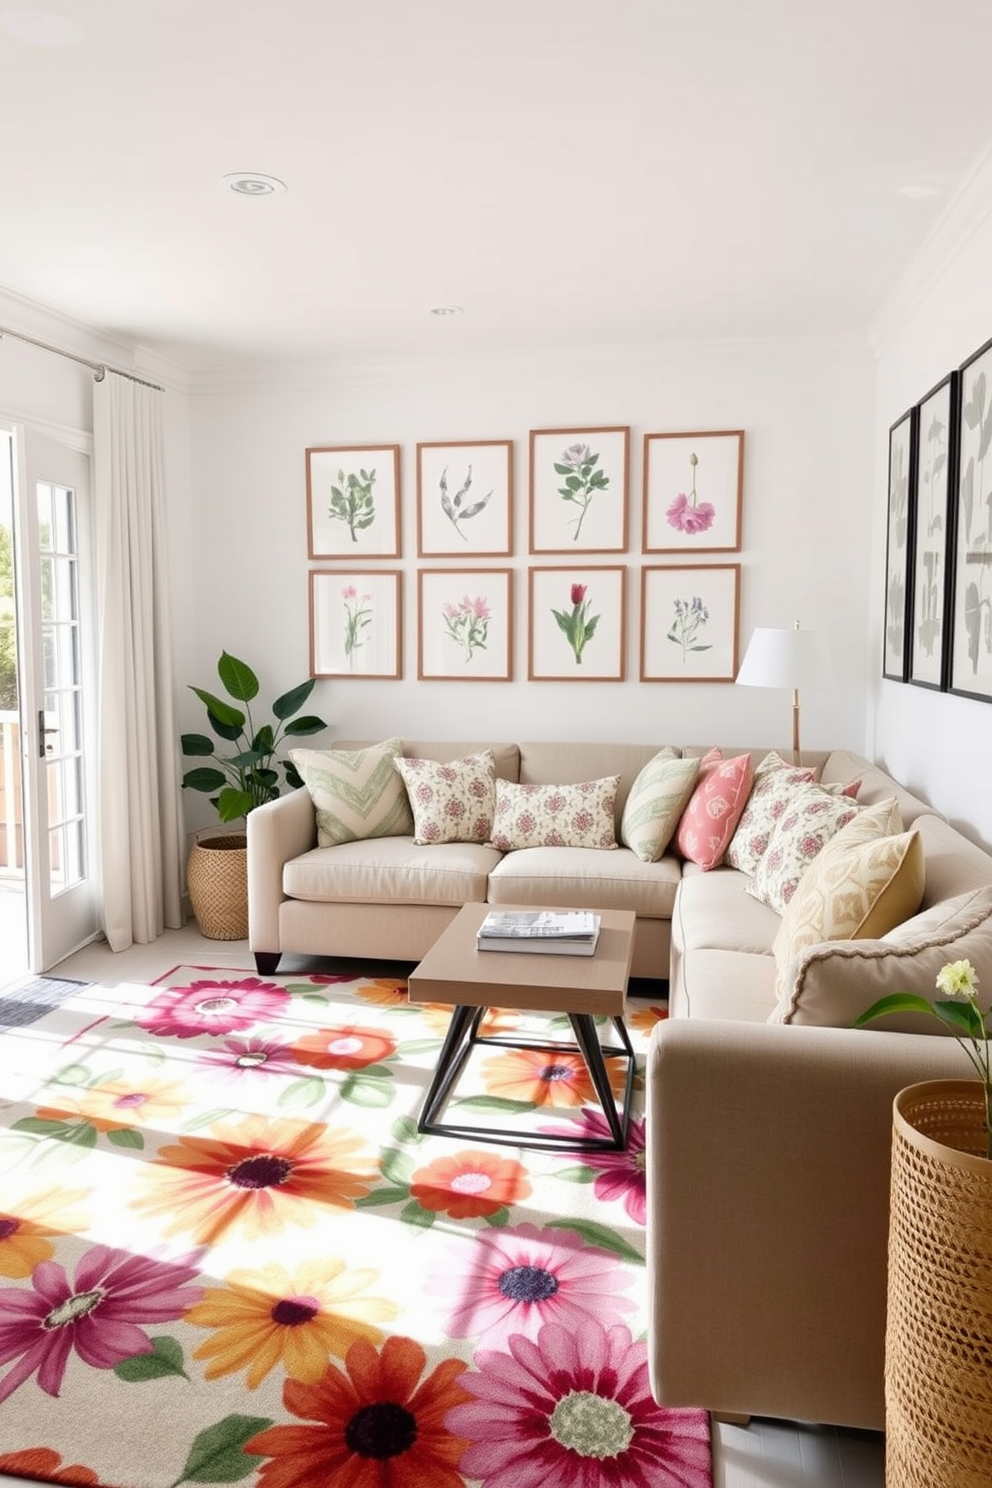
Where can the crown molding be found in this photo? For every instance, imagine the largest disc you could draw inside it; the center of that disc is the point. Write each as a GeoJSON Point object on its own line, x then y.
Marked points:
{"type": "Point", "coordinates": [964, 215]}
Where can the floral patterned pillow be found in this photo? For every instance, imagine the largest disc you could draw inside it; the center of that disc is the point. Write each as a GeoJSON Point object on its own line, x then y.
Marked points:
{"type": "Point", "coordinates": [812, 816]}
{"type": "Point", "coordinates": [715, 806]}
{"type": "Point", "coordinates": [774, 783]}
{"type": "Point", "coordinates": [556, 815]}
{"type": "Point", "coordinates": [452, 802]}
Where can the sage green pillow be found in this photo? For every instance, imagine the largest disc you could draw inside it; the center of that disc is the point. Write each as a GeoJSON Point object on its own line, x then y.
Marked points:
{"type": "Point", "coordinates": [356, 792]}
{"type": "Point", "coordinates": [656, 802]}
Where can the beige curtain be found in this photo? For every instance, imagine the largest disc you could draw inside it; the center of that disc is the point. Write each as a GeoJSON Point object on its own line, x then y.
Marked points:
{"type": "Point", "coordinates": [140, 827]}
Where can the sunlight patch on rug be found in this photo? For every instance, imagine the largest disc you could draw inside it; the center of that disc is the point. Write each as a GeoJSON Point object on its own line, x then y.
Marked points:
{"type": "Point", "coordinates": [228, 1255]}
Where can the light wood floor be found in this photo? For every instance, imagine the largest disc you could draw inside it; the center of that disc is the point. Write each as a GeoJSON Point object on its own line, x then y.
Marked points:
{"type": "Point", "coordinates": [765, 1454]}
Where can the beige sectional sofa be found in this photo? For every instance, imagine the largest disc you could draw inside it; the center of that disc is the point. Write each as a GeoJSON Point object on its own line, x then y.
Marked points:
{"type": "Point", "coordinates": [768, 1132]}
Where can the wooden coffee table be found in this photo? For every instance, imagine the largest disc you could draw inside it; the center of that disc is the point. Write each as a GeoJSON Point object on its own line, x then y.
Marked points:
{"type": "Point", "coordinates": [582, 987]}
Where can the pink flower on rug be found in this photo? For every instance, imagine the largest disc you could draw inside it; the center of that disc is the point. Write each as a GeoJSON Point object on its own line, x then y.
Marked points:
{"type": "Point", "coordinates": [685, 517]}
{"type": "Point", "coordinates": [574, 1409]}
{"type": "Point", "coordinates": [620, 1175]}
{"type": "Point", "coordinates": [213, 1007]}
{"type": "Point", "coordinates": [255, 1056]}
{"type": "Point", "coordinates": [520, 1278]}
{"type": "Point", "coordinates": [97, 1314]}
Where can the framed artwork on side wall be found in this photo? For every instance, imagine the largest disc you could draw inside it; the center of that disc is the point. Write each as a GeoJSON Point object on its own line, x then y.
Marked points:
{"type": "Point", "coordinates": [353, 501]}
{"type": "Point", "coordinates": [465, 631]}
{"type": "Point", "coordinates": [693, 492]}
{"type": "Point", "coordinates": [465, 498]}
{"type": "Point", "coordinates": [898, 575]}
{"type": "Point", "coordinates": [690, 619]}
{"type": "Point", "coordinates": [577, 624]}
{"type": "Point", "coordinates": [929, 520]}
{"type": "Point", "coordinates": [971, 635]}
{"type": "Point", "coordinates": [356, 623]}
{"type": "Point", "coordinates": [578, 490]}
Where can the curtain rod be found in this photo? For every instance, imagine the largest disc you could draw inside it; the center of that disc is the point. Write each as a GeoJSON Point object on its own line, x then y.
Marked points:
{"type": "Point", "coordinates": [99, 369]}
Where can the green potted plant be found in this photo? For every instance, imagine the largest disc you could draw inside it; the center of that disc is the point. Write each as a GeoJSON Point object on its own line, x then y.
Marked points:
{"type": "Point", "coordinates": [237, 782]}
{"type": "Point", "coordinates": [938, 1340]}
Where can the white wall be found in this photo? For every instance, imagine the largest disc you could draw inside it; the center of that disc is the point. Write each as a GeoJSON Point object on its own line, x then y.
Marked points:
{"type": "Point", "coordinates": [937, 743]}
{"type": "Point", "coordinates": [806, 407]}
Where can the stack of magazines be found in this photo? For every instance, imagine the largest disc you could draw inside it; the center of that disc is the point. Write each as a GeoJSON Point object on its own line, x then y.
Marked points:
{"type": "Point", "coordinates": [569, 932]}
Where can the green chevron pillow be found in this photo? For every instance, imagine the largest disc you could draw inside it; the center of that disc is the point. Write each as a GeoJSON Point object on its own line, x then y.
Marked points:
{"type": "Point", "coordinates": [657, 799]}
{"type": "Point", "coordinates": [356, 792]}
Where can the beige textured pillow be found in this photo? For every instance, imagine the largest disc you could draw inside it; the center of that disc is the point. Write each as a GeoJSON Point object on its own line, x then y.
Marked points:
{"type": "Point", "coordinates": [832, 984]}
{"type": "Point", "coordinates": [356, 793]}
{"type": "Point", "coordinates": [655, 804]}
{"type": "Point", "coordinates": [580, 815]}
{"type": "Point", "coordinates": [812, 816]}
{"type": "Point", "coordinates": [452, 802]}
{"type": "Point", "coordinates": [844, 894]}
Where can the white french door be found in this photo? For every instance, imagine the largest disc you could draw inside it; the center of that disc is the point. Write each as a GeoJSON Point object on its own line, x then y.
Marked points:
{"type": "Point", "coordinates": [49, 485]}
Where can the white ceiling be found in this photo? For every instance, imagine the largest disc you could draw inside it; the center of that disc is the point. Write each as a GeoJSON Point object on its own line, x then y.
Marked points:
{"type": "Point", "coordinates": [567, 171]}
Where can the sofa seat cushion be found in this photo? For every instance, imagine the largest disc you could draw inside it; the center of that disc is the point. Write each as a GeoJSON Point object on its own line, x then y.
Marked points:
{"type": "Point", "coordinates": [586, 878]}
{"type": "Point", "coordinates": [726, 985]}
{"type": "Point", "coordinates": [392, 870]}
{"type": "Point", "coordinates": [713, 912]}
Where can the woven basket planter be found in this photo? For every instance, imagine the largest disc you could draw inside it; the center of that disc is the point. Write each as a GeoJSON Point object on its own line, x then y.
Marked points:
{"type": "Point", "coordinates": [217, 880]}
{"type": "Point", "coordinates": [938, 1342]}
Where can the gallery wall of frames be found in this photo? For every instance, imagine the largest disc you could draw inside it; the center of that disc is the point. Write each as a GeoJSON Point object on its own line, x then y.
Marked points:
{"type": "Point", "coordinates": [938, 577]}
{"type": "Point", "coordinates": [572, 591]}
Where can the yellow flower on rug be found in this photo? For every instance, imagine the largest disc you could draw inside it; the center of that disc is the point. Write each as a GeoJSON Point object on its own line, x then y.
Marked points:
{"type": "Point", "coordinates": [28, 1222]}
{"type": "Point", "coordinates": [260, 1174]}
{"type": "Point", "coordinates": [121, 1103]}
{"type": "Point", "coordinates": [384, 992]}
{"type": "Point", "coordinates": [269, 1317]}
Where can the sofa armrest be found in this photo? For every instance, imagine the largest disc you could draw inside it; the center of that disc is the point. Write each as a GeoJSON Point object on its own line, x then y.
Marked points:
{"type": "Point", "coordinates": [768, 1195]}
{"type": "Point", "coordinates": [277, 832]}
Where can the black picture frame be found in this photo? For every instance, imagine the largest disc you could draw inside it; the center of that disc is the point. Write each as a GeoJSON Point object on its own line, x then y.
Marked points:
{"type": "Point", "coordinates": [934, 483]}
{"type": "Point", "coordinates": [898, 547]}
{"type": "Point", "coordinates": [970, 666]}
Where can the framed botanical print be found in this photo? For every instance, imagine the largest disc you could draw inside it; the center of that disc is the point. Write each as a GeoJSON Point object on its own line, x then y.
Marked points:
{"type": "Point", "coordinates": [693, 492]}
{"type": "Point", "coordinates": [465, 630]}
{"type": "Point", "coordinates": [578, 490]}
{"type": "Point", "coordinates": [577, 624]}
{"type": "Point", "coordinates": [356, 621]}
{"type": "Point", "coordinates": [971, 636]}
{"type": "Point", "coordinates": [465, 498]}
{"type": "Point", "coordinates": [929, 521]}
{"type": "Point", "coordinates": [690, 618]}
{"type": "Point", "coordinates": [898, 575]}
{"type": "Point", "coordinates": [353, 501]}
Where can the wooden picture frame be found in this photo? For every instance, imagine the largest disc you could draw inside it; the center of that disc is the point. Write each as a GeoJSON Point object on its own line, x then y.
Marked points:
{"type": "Point", "coordinates": [353, 501]}
{"type": "Point", "coordinates": [578, 490]}
{"type": "Point", "coordinates": [970, 666]}
{"type": "Point", "coordinates": [465, 498]}
{"type": "Point", "coordinates": [898, 546]}
{"type": "Point", "coordinates": [690, 622]}
{"type": "Point", "coordinates": [356, 623]}
{"type": "Point", "coordinates": [577, 624]}
{"type": "Point", "coordinates": [693, 492]}
{"type": "Point", "coordinates": [465, 624]}
{"type": "Point", "coordinates": [930, 517]}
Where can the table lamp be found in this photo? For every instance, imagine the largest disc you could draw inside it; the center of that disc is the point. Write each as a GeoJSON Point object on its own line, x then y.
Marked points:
{"type": "Point", "coordinates": [786, 658]}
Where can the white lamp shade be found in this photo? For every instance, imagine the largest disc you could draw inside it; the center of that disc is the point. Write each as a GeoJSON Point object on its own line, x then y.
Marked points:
{"type": "Point", "coordinates": [786, 658]}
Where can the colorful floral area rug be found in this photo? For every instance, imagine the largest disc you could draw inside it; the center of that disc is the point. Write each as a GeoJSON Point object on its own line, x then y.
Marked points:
{"type": "Point", "coordinates": [228, 1256]}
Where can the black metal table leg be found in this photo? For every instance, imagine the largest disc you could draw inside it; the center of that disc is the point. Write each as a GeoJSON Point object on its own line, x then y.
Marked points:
{"type": "Point", "coordinates": [454, 1051]}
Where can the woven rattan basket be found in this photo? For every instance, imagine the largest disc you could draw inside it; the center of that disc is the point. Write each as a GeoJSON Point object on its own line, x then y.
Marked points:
{"type": "Point", "coordinates": [938, 1344]}
{"type": "Point", "coordinates": [217, 880]}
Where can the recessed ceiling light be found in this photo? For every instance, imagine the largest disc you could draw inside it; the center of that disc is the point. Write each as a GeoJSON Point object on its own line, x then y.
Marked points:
{"type": "Point", "coordinates": [41, 27]}
{"type": "Point", "coordinates": [250, 183]}
{"type": "Point", "coordinates": [446, 310]}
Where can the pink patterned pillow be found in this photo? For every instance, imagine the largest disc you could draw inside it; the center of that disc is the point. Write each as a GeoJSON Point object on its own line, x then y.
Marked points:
{"type": "Point", "coordinates": [774, 783]}
{"type": "Point", "coordinates": [451, 802]}
{"type": "Point", "coordinates": [715, 807]}
{"type": "Point", "coordinates": [580, 815]}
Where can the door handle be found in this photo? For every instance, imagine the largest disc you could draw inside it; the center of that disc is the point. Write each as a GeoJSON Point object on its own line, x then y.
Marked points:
{"type": "Point", "coordinates": [42, 731]}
